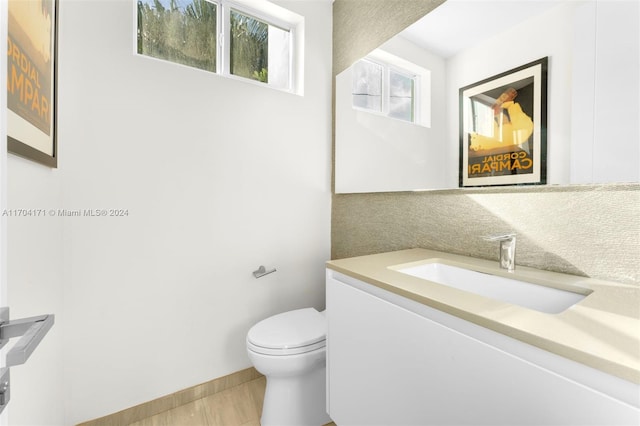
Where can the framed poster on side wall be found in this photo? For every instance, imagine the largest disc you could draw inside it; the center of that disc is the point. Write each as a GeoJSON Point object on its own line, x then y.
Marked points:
{"type": "Point", "coordinates": [31, 80]}
{"type": "Point", "coordinates": [503, 128]}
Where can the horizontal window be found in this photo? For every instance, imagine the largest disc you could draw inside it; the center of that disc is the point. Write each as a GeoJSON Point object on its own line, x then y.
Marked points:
{"type": "Point", "coordinates": [379, 87]}
{"type": "Point", "coordinates": [224, 37]}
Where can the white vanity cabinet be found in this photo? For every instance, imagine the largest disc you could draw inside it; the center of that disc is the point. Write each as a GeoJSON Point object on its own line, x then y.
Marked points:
{"type": "Point", "coordinates": [394, 361]}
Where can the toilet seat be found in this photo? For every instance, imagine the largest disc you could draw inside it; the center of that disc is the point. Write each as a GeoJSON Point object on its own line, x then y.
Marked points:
{"type": "Point", "coordinates": [289, 333]}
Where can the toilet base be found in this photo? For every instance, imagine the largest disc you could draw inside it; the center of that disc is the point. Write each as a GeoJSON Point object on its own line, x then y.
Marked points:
{"type": "Point", "coordinates": [296, 401]}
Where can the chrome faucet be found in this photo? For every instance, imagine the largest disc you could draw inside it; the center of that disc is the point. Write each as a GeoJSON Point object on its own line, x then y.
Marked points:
{"type": "Point", "coordinates": [507, 250]}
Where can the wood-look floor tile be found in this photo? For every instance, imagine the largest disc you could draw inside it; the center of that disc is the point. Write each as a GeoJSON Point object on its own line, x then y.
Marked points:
{"type": "Point", "coordinates": [256, 389]}
{"type": "Point", "coordinates": [252, 423]}
{"type": "Point", "coordinates": [240, 405]}
{"type": "Point", "coordinates": [234, 406]}
{"type": "Point", "coordinates": [241, 397]}
{"type": "Point", "coordinates": [157, 420]}
{"type": "Point", "coordinates": [216, 410]}
{"type": "Point", "coordinates": [191, 414]}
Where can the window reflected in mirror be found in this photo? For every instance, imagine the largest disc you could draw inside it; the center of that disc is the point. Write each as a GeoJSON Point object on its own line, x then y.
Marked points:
{"type": "Point", "coordinates": [385, 89]}
{"type": "Point", "coordinates": [367, 85]}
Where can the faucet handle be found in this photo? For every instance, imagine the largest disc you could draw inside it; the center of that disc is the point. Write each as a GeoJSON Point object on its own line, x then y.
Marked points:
{"type": "Point", "coordinates": [500, 237]}
{"type": "Point", "coordinates": [507, 249]}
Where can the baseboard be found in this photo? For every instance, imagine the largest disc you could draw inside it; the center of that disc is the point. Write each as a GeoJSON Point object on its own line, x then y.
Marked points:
{"type": "Point", "coordinates": [169, 402]}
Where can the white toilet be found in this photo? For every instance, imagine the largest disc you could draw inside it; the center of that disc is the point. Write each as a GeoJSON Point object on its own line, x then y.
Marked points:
{"type": "Point", "coordinates": [289, 349]}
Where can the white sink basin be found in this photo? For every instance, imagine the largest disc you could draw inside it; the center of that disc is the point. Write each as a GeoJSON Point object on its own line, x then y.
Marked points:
{"type": "Point", "coordinates": [528, 295]}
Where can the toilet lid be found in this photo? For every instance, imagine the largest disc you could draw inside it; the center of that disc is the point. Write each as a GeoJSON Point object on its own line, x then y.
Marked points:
{"type": "Point", "coordinates": [293, 329]}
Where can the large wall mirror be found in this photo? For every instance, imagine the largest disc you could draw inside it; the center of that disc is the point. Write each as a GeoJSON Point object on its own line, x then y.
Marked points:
{"type": "Point", "coordinates": [402, 134]}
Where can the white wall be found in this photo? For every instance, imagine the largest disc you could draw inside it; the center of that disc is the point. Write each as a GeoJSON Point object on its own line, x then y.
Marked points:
{"type": "Point", "coordinates": [35, 287]}
{"type": "Point", "coordinates": [576, 103]}
{"type": "Point", "coordinates": [218, 177]}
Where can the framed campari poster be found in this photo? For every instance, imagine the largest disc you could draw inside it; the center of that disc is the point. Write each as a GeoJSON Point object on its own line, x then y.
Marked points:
{"type": "Point", "coordinates": [503, 128]}
{"type": "Point", "coordinates": [31, 80]}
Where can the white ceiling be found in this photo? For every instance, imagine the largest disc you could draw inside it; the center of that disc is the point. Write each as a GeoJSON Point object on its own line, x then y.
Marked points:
{"type": "Point", "coordinates": [458, 24]}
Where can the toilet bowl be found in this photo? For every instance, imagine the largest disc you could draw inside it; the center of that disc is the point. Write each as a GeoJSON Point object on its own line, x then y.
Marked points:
{"type": "Point", "coordinates": [290, 350]}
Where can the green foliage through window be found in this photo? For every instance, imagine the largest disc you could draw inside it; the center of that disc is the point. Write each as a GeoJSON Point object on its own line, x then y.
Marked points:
{"type": "Point", "coordinates": [182, 32]}
{"type": "Point", "coordinates": [186, 32]}
{"type": "Point", "coordinates": [249, 47]}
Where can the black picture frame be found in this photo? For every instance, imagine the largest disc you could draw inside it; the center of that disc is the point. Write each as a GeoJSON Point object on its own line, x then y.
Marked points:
{"type": "Point", "coordinates": [503, 128]}
{"type": "Point", "coordinates": [32, 81]}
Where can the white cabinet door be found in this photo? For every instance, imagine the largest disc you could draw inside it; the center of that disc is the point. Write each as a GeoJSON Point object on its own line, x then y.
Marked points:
{"type": "Point", "coordinates": [390, 366]}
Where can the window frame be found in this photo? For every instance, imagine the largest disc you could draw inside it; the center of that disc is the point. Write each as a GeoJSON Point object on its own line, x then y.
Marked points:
{"type": "Point", "coordinates": [224, 39]}
{"type": "Point", "coordinates": [270, 14]}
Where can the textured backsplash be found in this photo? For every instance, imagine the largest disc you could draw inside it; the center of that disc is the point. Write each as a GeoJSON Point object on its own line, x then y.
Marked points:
{"type": "Point", "coordinates": [590, 230]}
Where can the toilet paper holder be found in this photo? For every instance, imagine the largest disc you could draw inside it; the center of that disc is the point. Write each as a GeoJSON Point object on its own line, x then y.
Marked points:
{"type": "Point", "coordinates": [262, 271]}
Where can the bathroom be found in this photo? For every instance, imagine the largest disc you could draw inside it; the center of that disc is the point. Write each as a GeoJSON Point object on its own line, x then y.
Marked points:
{"type": "Point", "coordinates": [161, 300]}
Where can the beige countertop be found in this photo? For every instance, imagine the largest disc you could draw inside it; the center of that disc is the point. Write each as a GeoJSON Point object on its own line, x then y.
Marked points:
{"type": "Point", "coordinates": [602, 330]}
